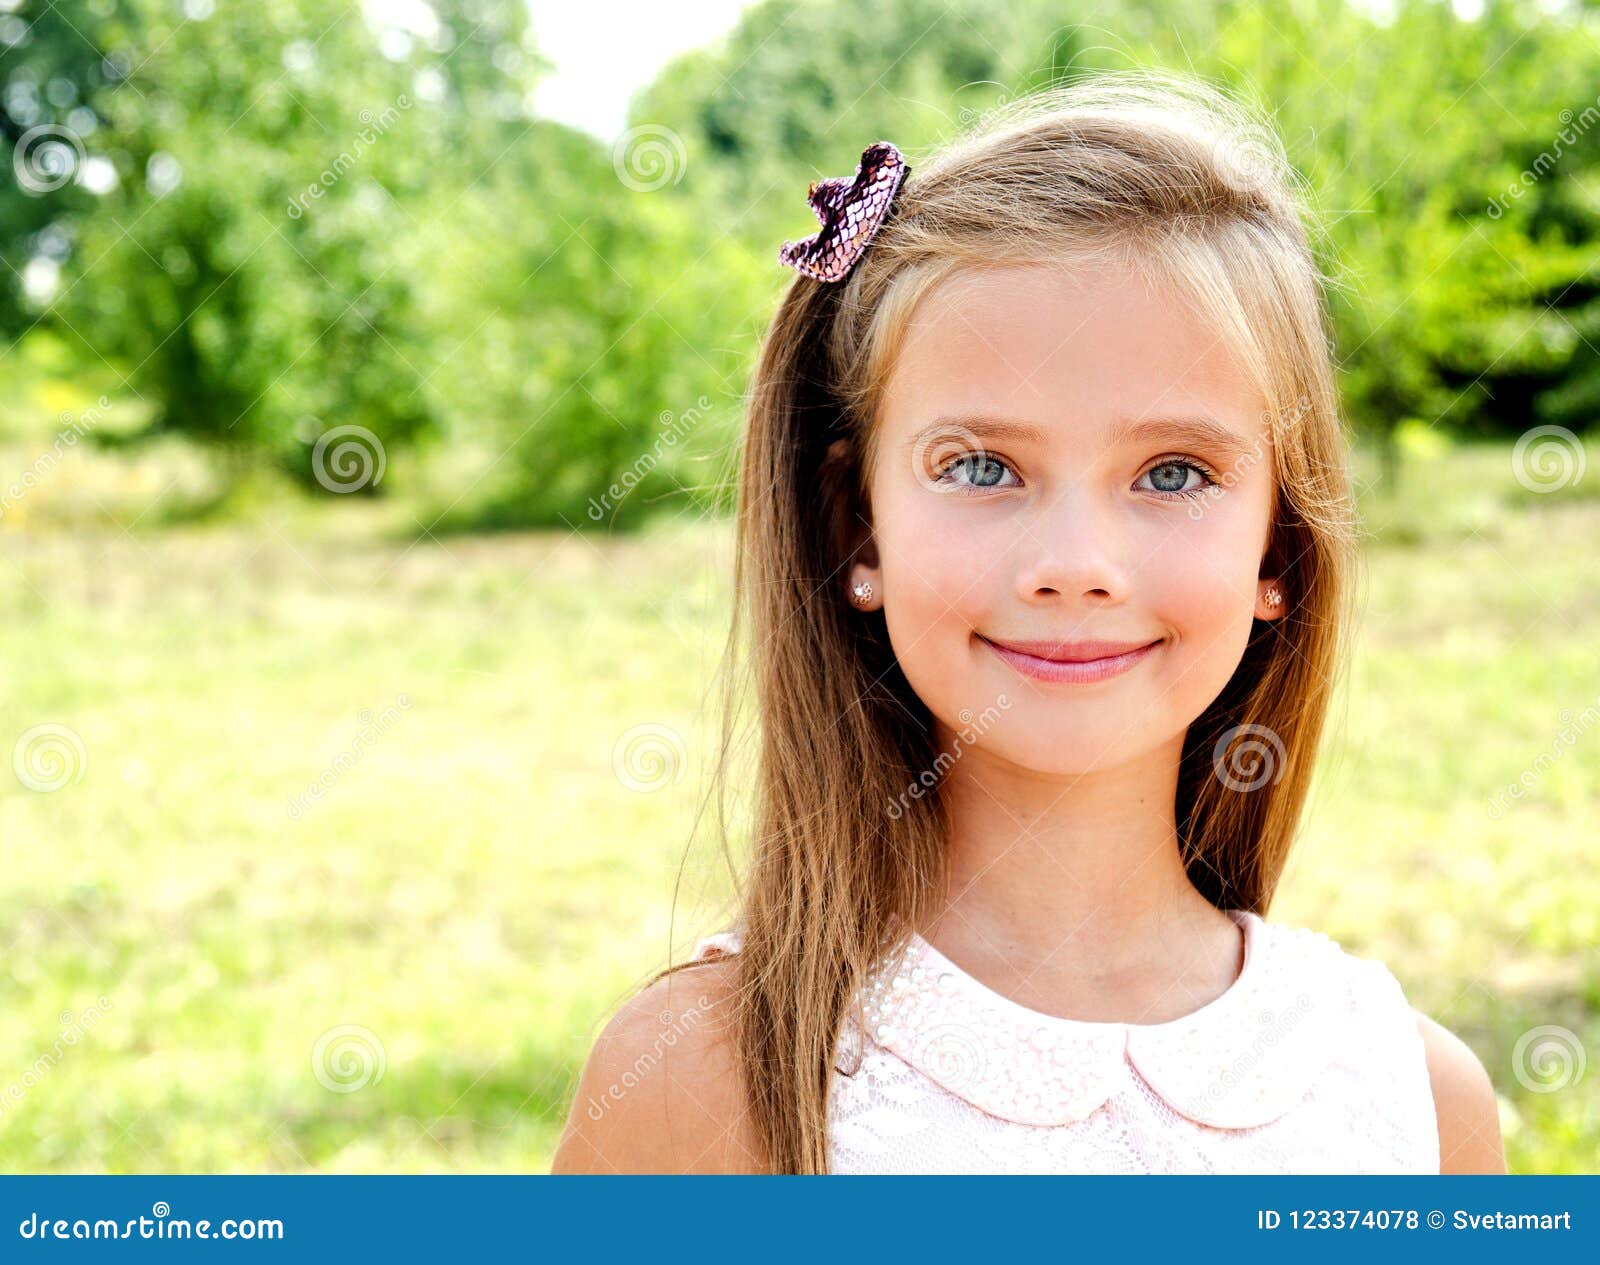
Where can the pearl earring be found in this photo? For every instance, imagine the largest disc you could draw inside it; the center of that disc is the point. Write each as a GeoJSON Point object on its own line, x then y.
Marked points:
{"type": "Point", "coordinates": [862, 592]}
{"type": "Point", "coordinates": [1273, 598]}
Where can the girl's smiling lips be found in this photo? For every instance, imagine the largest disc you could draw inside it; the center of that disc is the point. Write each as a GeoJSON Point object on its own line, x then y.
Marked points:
{"type": "Point", "coordinates": [1071, 660]}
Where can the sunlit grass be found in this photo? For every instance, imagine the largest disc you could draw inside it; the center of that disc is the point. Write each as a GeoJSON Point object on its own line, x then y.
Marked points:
{"type": "Point", "coordinates": [478, 888]}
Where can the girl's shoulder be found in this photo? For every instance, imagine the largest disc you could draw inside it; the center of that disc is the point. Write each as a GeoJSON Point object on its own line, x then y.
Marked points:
{"type": "Point", "coordinates": [1303, 953]}
{"type": "Point", "coordinates": [1428, 1069]}
{"type": "Point", "coordinates": [1363, 1017]}
{"type": "Point", "coordinates": [661, 1090]}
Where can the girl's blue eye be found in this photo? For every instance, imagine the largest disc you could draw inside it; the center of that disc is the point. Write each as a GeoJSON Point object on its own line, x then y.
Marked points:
{"type": "Point", "coordinates": [985, 471]}
{"type": "Point", "coordinates": [1170, 477]}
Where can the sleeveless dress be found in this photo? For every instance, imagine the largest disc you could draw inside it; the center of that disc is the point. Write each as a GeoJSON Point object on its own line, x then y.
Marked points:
{"type": "Point", "coordinates": [1310, 1062]}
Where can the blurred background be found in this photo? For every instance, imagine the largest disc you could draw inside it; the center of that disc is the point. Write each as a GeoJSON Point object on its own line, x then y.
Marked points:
{"type": "Point", "coordinates": [370, 375]}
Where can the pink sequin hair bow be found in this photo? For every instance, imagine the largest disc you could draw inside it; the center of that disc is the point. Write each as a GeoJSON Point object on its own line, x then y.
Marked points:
{"type": "Point", "coordinates": [851, 211]}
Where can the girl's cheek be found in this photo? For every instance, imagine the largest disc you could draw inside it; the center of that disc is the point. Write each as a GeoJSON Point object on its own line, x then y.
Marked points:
{"type": "Point", "coordinates": [928, 561]}
{"type": "Point", "coordinates": [1199, 582]}
{"type": "Point", "coordinates": [941, 572]}
{"type": "Point", "coordinates": [1187, 571]}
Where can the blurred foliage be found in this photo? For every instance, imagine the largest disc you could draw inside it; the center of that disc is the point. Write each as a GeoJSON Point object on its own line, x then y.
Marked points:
{"type": "Point", "coordinates": [1462, 295]}
{"type": "Point", "coordinates": [1466, 299]}
{"type": "Point", "coordinates": [254, 224]}
{"type": "Point", "coordinates": [479, 890]}
{"type": "Point", "coordinates": [254, 272]}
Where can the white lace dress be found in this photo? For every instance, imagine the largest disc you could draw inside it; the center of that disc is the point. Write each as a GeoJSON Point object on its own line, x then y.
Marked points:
{"type": "Point", "coordinates": [1311, 1062]}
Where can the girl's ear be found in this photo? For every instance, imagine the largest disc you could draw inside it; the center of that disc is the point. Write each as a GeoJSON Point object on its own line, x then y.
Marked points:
{"type": "Point", "coordinates": [850, 526]}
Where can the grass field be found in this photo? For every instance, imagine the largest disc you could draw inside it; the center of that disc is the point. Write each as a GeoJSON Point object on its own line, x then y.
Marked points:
{"type": "Point", "coordinates": [404, 973]}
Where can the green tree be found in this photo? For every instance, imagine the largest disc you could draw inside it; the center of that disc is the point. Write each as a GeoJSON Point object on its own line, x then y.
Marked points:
{"type": "Point", "coordinates": [252, 273]}
{"type": "Point", "coordinates": [48, 76]}
{"type": "Point", "coordinates": [1457, 301]}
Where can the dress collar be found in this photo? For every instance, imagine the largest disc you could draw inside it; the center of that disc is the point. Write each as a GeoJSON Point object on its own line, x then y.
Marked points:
{"type": "Point", "coordinates": [1241, 1060]}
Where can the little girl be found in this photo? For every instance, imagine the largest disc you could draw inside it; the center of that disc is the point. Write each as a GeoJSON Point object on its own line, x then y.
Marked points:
{"type": "Point", "coordinates": [1045, 537]}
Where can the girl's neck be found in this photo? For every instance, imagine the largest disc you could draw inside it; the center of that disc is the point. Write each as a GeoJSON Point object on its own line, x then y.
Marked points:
{"type": "Point", "coordinates": [1071, 888]}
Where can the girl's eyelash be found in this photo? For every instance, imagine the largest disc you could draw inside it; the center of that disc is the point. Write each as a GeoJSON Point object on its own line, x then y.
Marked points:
{"type": "Point", "coordinates": [968, 489]}
{"type": "Point", "coordinates": [946, 464]}
{"type": "Point", "coordinates": [1189, 463]}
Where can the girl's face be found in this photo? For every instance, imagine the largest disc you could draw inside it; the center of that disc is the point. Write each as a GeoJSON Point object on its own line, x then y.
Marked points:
{"type": "Point", "coordinates": [1067, 456]}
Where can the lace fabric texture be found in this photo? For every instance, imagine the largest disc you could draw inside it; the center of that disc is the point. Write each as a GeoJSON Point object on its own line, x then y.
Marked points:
{"type": "Point", "coordinates": [1311, 1062]}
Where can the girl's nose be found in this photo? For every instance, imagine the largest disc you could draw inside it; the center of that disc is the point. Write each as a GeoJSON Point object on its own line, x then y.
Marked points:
{"type": "Point", "coordinates": [1072, 548]}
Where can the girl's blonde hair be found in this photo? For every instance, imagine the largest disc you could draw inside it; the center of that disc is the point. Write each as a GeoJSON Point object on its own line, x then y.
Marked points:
{"type": "Point", "coordinates": [1140, 169]}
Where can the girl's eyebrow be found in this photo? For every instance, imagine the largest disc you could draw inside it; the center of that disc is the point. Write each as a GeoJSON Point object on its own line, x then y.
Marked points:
{"type": "Point", "coordinates": [1207, 431]}
{"type": "Point", "coordinates": [1176, 428]}
{"type": "Point", "coordinates": [983, 426]}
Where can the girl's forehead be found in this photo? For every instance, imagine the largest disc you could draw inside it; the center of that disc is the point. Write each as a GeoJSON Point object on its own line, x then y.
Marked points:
{"type": "Point", "coordinates": [1075, 351]}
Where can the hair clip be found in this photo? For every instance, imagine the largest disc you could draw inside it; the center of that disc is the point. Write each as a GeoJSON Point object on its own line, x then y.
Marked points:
{"type": "Point", "coordinates": [851, 212]}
